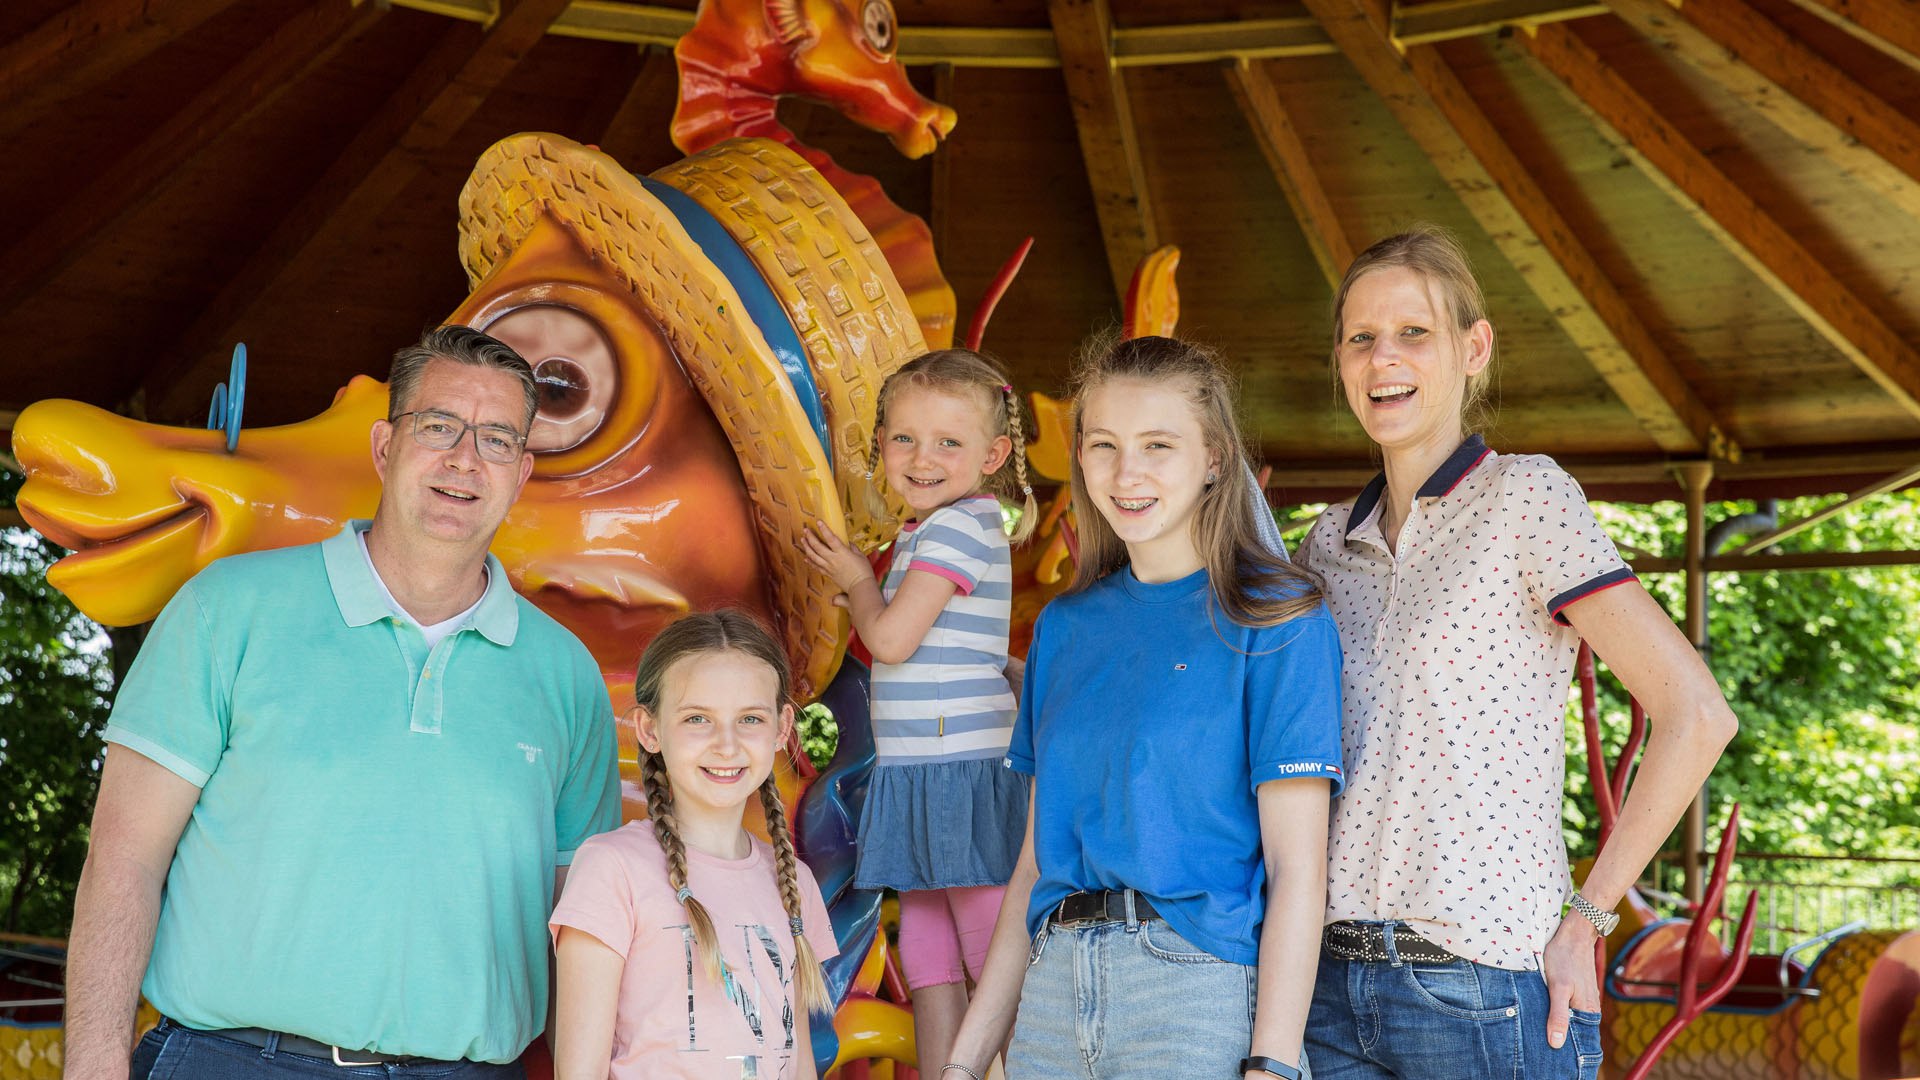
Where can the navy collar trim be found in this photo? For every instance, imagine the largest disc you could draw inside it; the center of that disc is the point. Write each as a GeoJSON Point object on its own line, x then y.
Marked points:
{"type": "Point", "coordinates": [1444, 479]}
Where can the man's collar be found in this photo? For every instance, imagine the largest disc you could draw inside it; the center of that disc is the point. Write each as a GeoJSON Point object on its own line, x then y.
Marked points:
{"type": "Point", "coordinates": [1444, 479]}
{"type": "Point", "coordinates": [357, 592]}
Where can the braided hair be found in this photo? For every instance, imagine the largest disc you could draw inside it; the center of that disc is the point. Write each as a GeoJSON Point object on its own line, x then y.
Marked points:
{"type": "Point", "coordinates": [963, 371]}
{"type": "Point", "coordinates": [725, 630]}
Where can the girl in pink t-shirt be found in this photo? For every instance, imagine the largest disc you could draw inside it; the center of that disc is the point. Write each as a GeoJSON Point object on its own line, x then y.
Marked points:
{"type": "Point", "coordinates": [687, 946]}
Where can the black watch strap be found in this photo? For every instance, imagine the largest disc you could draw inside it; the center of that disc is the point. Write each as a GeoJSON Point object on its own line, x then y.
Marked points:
{"type": "Point", "coordinates": [1269, 1065]}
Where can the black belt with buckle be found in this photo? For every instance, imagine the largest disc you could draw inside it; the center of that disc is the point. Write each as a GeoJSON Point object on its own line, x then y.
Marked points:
{"type": "Point", "coordinates": [305, 1047]}
{"type": "Point", "coordinates": [1367, 943]}
{"type": "Point", "coordinates": [1107, 905]}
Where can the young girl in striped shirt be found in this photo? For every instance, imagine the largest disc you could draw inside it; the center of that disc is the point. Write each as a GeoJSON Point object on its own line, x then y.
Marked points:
{"type": "Point", "coordinates": [944, 818]}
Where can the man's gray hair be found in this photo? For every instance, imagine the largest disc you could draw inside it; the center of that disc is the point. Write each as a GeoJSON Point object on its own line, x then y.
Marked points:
{"type": "Point", "coordinates": [461, 345]}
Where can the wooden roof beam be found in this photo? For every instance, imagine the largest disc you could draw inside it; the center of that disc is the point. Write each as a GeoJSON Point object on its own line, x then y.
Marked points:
{"type": "Point", "coordinates": [637, 119]}
{"type": "Point", "coordinates": [1903, 478]}
{"type": "Point", "coordinates": [1033, 47]}
{"type": "Point", "coordinates": [88, 43]}
{"type": "Point", "coordinates": [1888, 25]}
{"type": "Point", "coordinates": [1750, 233]}
{"type": "Point", "coordinates": [1499, 190]}
{"type": "Point", "coordinates": [1752, 58]}
{"type": "Point", "coordinates": [1286, 155]}
{"type": "Point", "coordinates": [1083, 34]}
{"type": "Point", "coordinates": [304, 42]}
{"type": "Point", "coordinates": [441, 93]}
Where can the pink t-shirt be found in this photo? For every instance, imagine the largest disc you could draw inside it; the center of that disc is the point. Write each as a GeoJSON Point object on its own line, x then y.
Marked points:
{"type": "Point", "coordinates": [673, 1019]}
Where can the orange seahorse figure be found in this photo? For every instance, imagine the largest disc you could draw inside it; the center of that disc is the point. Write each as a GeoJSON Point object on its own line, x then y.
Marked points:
{"type": "Point", "coordinates": [742, 56]}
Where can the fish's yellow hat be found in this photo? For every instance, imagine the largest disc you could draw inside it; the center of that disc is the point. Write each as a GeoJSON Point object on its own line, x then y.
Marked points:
{"type": "Point", "coordinates": [777, 302]}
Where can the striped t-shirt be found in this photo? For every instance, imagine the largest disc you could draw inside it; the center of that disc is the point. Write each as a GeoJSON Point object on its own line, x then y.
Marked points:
{"type": "Point", "coordinates": [950, 701]}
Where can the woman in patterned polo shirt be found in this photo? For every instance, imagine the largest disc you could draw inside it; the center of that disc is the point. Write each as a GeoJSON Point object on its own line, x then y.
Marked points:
{"type": "Point", "coordinates": [1462, 581]}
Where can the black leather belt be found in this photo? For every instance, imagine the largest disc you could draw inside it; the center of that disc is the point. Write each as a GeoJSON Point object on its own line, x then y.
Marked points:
{"type": "Point", "coordinates": [1367, 943]}
{"type": "Point", "coordinates": [305, 1047]}
{"type": "Point", "coordinates": [1107, 905]}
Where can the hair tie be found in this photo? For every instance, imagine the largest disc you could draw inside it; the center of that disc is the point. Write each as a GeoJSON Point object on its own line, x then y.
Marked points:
{"type": "Point", "coordinates": [685, 894]}
{"type": "Point", "coordinates": [1006, 388]}
{"type": "Point", "coordinates": [799, 925]}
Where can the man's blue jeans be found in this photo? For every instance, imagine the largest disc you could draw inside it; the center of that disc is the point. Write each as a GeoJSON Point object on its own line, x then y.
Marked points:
{"type": "Point", "coordinates": [1456, 1021]}
{"type": "Point", "coordinates": [172, 1052]}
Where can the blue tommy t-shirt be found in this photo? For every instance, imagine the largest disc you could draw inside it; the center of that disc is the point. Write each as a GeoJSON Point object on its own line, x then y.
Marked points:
{"type": "Point", "coordinates": [1148, 719]}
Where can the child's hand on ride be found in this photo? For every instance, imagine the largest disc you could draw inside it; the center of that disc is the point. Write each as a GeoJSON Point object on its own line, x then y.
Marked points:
{"type": "Point", "coordinates": [834, 557]}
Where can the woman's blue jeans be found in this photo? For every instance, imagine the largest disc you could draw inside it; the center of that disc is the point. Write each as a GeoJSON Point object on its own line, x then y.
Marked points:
{"type": "Point", "coordinates": [1456, 1021]}
{"type": "Point", "coordinates": [1129, 1001]}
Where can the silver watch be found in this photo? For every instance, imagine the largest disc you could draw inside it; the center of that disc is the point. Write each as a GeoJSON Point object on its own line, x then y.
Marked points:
{"type": "Point", "coordinates": [1603, 921]}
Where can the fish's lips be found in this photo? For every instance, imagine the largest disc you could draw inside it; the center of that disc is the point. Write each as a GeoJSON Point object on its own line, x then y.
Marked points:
{"type": "Point", "coordinates": [127, 580]}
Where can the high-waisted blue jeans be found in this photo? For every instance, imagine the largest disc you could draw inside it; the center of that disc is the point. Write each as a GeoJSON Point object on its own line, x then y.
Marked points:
{"type": "Point", "coordinates": [1129, 1001]}
{"type": "Point", "coordinates": [1397, 1020]}
{"type": "Point", "coordinates": [172, 1052]}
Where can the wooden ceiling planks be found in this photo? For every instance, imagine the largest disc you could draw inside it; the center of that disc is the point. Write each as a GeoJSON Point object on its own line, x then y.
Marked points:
{"type": "Point", "coordinates": [101, 202]}
{"type": "Point", "coordinates": [1726, 332]}
{"type": "Point", "coordinates": [1014, 167]}
{"type": "Point", "coordinates": [86, 44]}
{"type": "Point", "coordinates": [440, 95]}
{"type": "Point", "coordinates": [1773, 248]}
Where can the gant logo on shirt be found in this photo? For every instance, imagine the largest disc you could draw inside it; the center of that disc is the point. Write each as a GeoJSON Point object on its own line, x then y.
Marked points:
{"type": "Point", "coordinates": [532, 752]}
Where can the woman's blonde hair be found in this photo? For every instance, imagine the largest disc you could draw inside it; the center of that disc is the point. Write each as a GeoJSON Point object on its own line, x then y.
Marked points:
{"type": "Point", "coordinates": [1252, 585]}
{"type": "Point", "coordinates": [1431, 252]}
{"type": "Point", "coordinates": [963, 371]}
{"type": "Point", "coordinates": [695, 635]}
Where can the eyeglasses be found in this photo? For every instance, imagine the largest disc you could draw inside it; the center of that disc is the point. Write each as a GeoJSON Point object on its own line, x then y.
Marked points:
{"type": "Point", "coordinates": [439, 431]}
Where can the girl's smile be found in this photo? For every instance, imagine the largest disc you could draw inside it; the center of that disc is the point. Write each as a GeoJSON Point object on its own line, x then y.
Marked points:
{"type": "Point", "coordinates": [1145, 462]}
{"type": "Point", "coordinates": [935, 446]}
{"type": "Point", "coordinates": [719, 728]}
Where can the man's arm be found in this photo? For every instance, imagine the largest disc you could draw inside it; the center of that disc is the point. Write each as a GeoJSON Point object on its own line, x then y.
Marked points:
{"type": "Point", "coordinates": [137, 822]}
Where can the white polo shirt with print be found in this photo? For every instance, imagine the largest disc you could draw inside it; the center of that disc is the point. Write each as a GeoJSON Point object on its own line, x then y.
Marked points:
{"type": "Point", "coordinates": [1454, 689]}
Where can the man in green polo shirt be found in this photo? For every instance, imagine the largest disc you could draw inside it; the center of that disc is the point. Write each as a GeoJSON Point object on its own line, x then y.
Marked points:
{"type": "Point", "coordinates": [345, 779]}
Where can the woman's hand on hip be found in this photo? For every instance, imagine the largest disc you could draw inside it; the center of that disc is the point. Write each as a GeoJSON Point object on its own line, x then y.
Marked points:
{"type": "Point", "coordinates": [1573, 979]}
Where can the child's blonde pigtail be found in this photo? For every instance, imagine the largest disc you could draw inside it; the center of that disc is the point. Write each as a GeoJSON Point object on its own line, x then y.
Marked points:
{"type": "Point", "coordinates": [1016, 430]}
{"type": "Point", "coordinates": [809, 980]}
{"type": "Point", "coordinates": [706, 944]}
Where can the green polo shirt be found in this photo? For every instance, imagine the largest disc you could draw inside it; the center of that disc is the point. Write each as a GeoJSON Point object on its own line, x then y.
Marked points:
{"type": "Point", "coordinates": [370, 863]}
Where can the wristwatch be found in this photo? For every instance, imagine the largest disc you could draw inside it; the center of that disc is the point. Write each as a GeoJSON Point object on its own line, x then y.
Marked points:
{"type": "Point", "coordinates": [1268, 1065]}
{"type": "Point", "coordinates": [1603, 921]}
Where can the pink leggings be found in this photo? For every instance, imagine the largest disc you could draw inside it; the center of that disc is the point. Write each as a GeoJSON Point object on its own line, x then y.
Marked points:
{"type": "Point", "coordinates": [944, 933]}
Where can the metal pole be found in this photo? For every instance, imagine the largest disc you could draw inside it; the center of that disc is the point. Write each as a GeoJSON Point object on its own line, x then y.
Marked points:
{"type": "Point", "coordinates": [1694, 478]}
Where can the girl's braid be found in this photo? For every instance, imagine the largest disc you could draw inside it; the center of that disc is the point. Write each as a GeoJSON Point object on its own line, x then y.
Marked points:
{"type": "Point", "coordinates": [706, 944]}
{"type": "Point", "coordinates": [1016, 430]}
{"type": "Point", "coordinates": [810, 984]}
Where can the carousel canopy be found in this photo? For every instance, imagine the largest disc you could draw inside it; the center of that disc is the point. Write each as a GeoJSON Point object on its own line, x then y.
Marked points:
{"type": "Point", "coordinates": [1698, 227]}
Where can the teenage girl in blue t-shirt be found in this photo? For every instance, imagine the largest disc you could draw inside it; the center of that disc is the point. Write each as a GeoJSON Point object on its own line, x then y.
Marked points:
{"type": "Point", "coordinates": [1181, 722]}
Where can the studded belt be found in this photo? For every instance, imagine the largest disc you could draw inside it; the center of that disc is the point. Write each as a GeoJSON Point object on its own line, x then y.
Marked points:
{"type": "Point", "coordinates": [1366, 943]}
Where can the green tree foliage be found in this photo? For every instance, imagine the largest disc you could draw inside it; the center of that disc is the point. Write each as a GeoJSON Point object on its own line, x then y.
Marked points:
{"type": "Point", "coordinates": [55, 680]}
{"type": "Point", "coordinates": [1819, 667]}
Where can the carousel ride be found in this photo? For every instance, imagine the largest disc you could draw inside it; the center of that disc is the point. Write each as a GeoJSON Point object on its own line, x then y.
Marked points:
{"type": "Point", "coordinates": [708, 340]}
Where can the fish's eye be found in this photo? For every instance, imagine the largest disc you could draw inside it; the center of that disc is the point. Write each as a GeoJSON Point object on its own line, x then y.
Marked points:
{"type": "Point", "coordinates": [876, 21]}
{"type": "Point", "coordinates": [576, 372]}
{"type": "Point", "coordinates": [563, 386]}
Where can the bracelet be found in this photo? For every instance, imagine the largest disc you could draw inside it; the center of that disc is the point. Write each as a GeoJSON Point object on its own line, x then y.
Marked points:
{"type": "Point", "coordinates": [1271, 1066]}
{"type": "Point", "coordinates": [971, 1075]}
